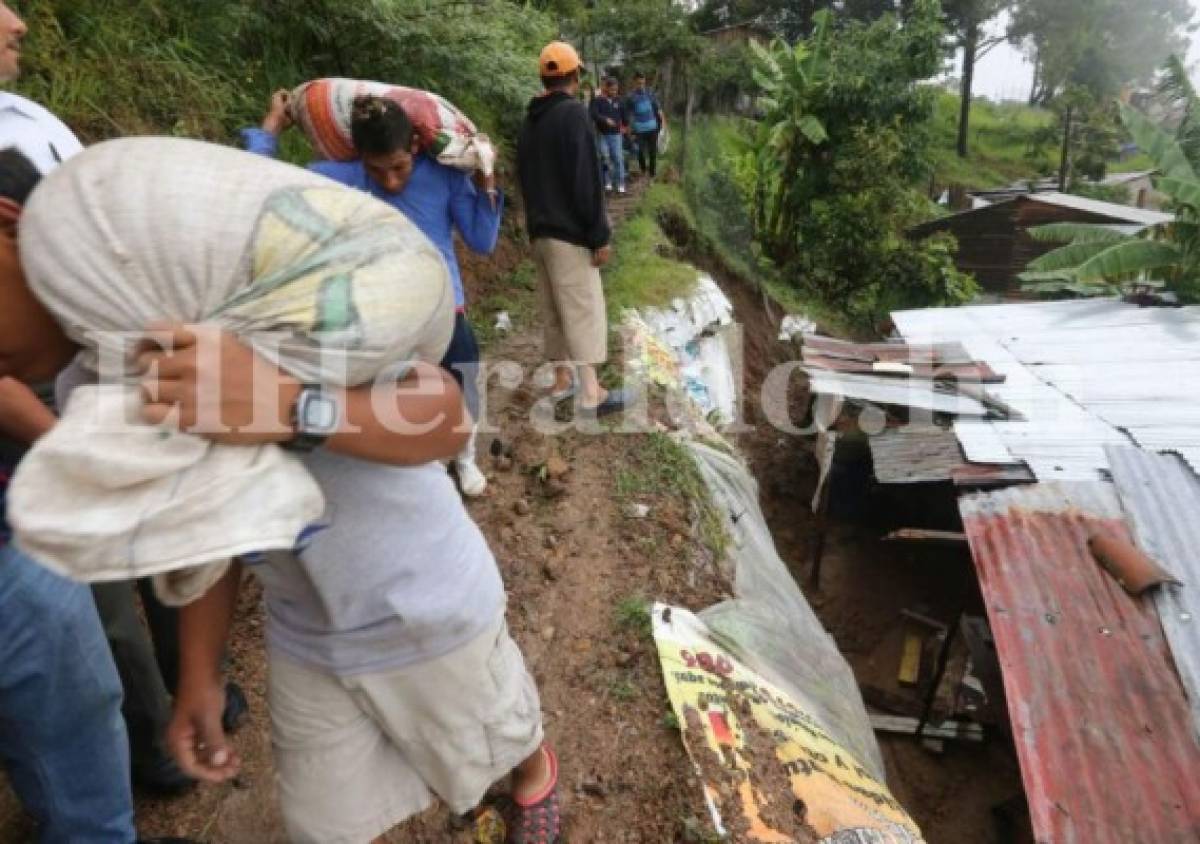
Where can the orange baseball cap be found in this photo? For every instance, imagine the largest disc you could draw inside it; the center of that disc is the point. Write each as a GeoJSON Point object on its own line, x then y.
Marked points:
{"type": "Point", "coordinates": [558, 59]}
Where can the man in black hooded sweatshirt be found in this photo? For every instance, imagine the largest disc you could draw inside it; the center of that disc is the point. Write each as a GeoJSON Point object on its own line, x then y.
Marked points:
{"type": "Point", "coordinates": [564, 211]}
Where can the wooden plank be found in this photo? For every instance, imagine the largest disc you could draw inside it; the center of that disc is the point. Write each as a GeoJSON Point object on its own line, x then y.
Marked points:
{"type": "Point", "coordinates": [910, 661]}
{"type": "Point", "coordinates": [938, 537]}
{"type": "Point", "coordinates": [960, 730]}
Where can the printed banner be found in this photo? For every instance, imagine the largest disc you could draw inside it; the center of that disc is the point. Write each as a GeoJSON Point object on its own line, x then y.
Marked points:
{"type": "Point", "coordinates": [770, 772]}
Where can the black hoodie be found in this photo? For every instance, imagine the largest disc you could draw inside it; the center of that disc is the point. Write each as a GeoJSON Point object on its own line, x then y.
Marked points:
{"type": "Point", "coordinates": [559, 168]}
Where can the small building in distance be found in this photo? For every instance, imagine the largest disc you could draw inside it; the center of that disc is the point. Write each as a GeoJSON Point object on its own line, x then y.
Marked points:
{"type": "Point", "coordinates": [994, 244]}
{"type": "Point", "coordinates": [1140, 186]}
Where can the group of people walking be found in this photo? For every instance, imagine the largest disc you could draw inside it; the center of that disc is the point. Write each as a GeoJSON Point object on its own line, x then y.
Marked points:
{"type": "Point", "coordinates": [636, 119]}
{"type": "Point", "coordinates": [393, 679]}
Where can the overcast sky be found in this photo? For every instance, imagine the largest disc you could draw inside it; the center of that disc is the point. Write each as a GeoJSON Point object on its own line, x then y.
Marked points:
{"type": "Point", "coordinates": [1004, 74]}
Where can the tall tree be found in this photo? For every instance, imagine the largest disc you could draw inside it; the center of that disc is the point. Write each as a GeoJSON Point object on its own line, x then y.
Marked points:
{"type": "Point", "coordinates": [790, 19]}
{"type": "Point", "coordinates": [1099, 45]}
{"type": "Point", "coordinates": [965, 20]}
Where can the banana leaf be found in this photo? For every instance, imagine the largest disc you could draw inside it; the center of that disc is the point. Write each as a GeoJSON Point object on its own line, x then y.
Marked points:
{"type": "Point", "coordinates": [1127, 259]}
{"type": "Point", "coordinates": [1076, 233]}
{"type": "Point", "coordinates": [1163, 149]}
{"type": "Point", "coordinates": [1069, 257]}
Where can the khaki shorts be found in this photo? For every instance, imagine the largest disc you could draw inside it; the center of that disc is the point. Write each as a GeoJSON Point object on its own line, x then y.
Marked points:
{"type": "Point", "coordinates": [357, 755]}
{"type": "Point", "coordinates": [572, 302]}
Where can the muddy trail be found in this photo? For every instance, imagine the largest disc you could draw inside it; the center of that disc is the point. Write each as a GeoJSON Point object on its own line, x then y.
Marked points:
{"type": "Point", "coordinates": [578, 571]}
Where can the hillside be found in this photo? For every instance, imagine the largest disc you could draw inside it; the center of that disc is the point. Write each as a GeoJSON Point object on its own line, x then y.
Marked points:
{"type": "Point", "coordinates": [1003, 143]}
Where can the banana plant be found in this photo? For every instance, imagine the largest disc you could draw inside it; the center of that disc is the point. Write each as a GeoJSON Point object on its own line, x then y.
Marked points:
{"type": "Point", "coordinates": [786, 75]}
{"type": "Point", "coordinates": [1098, 259]}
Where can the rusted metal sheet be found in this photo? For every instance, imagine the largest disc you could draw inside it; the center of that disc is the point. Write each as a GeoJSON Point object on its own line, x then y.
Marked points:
{"type": "Point", "coordinates": [942, 361]}
{"type": "Point", "coordinates": [1102, 728]}
{"type": "Point", "coordinates": [912, 454]}
{"type": "Point", "coordinates": [1161, 496]}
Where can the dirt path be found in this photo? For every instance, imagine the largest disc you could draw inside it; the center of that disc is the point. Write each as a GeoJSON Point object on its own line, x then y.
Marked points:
{"type": "Point", "coordinates": [578, 570]}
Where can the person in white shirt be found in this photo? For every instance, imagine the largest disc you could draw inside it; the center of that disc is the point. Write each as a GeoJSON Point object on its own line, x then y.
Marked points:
{"type": "Point", "coordinates": [43, 138]}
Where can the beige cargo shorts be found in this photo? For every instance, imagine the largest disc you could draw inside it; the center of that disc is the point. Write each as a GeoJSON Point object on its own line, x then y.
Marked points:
{"type": "Point", "coordinates": [571, 299]}
{"type": "Point", "coordinates": [357, 755]}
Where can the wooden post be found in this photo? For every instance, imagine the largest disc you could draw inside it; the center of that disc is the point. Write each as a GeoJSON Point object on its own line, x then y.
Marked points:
{"type": "Point", "coordinates": [690, 91]}
{"type": "Point", "coordinates": [1064, 170]}
{"type": "Point", "coordinates": [970, 46]}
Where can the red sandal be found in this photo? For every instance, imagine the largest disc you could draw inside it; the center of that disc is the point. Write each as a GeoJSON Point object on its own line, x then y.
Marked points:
{"type": "Point", "coordinates": [538, 820]}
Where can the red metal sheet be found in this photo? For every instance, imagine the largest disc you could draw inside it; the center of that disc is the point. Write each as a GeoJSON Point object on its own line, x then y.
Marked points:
{"type": "Point", "coordinates": [1101, 724]}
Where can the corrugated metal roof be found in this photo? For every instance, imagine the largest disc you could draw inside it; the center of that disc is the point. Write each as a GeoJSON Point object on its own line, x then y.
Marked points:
{"type": "Point", "coordinates": [927, 395]}
{"type": "Point", "coordinates": [915, 454]}
{"type": "Point", "coordinates": [1083, 374]}
{"type": "Point", "coordinates": [1141, 216]}
{"type": "Point", "coordinates": [912, 455]}
{"type": "Point", "coordinates": [1125, 178]}
{"type": "Point", "coordinates": [1161, 495]}
{"type": "Point", "coordinates": [1102, 729]}
{"type": "Point", "coordinates": [941, 361]}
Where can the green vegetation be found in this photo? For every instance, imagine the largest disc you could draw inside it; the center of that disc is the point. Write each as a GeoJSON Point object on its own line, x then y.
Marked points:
{"type": "Point", "coordinates": [839, 166]}
{"type": "Point", "coordinates": [1098, 259]}
{"type": "Point", "coordinates": [516, 296]}
{"type": "Point", "coordinates": [1003, 144]}
{"type": "Point", "coordinates": [633, 613]}
{"type": "Point", "coordinates": [644, 271]}
{"type": "Point", "coordinates": [206, 69]}
{"type": "Point", "coordinates": [664, 466]}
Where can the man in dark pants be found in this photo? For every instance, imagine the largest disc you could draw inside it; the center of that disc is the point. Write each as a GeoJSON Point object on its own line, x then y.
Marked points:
{"type": "Point", "coordinates": [149, 671]}
{"type": "Point", "coordinates": [608, 113]}
{"type": "Point", "coordinates": [646, 120]}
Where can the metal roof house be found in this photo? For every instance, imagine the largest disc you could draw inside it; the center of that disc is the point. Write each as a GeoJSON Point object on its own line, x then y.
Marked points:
{"type": "Point", "coordinates": [1083, 421]}
{"type": "Point", "coordinates": [995, 246]}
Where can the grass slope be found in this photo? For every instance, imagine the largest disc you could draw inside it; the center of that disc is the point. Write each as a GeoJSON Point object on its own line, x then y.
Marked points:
{"type": "Point", "coordinates": [1000, 144]}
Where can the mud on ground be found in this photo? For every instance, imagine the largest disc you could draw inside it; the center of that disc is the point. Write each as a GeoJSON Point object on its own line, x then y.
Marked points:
{"type": "Point", "coordinates": [577, 568]}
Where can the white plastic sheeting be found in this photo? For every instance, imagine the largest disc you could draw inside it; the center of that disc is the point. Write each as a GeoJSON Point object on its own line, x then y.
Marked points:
{"type": "Point", "coordinates": [769, 626]}
{"type": "Point", "coordinates": [699, 331]}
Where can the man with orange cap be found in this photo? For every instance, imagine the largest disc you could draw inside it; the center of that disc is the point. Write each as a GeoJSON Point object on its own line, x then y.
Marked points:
{"type": "Point", "coordinates": [568, 225]}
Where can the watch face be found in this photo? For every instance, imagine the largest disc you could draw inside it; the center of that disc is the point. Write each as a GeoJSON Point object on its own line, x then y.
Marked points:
{"type": "Point", "coordinates": [318, 414]}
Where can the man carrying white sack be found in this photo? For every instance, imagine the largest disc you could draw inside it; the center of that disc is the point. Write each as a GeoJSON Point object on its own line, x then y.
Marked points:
{"type": "Point", "coordinates": [393, 678]}
{"type": "Point", "coordinates": [439, 199]}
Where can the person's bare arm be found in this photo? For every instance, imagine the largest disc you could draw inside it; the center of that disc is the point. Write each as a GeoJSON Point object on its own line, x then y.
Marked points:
{"type": "Point", "coordinates": [23, 417]}
{"type": "Point", "coordinates": [417, 420]}
{"type": "Point", "coordinates": [195, 736]}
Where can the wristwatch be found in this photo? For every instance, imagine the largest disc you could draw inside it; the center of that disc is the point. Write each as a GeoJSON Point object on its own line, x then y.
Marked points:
{"type": "Point", "coordinates": [316, 416]}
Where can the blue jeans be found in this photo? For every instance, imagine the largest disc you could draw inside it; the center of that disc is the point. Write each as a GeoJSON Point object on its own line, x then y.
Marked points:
{"type": "Point", "coordinates": [612, 148]}
{"type": "Point", "coordinates": [462, 362]}
{"type": "Point", "coordinates": [62, 739]}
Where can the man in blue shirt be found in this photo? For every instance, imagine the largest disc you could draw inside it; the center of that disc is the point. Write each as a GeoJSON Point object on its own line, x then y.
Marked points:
{"type": "Point", "coordinates": [646, 122]}
{"type": "Point", "coordinates": [437, 198]}
{"type": "Point", "coordinates": [608, 113]}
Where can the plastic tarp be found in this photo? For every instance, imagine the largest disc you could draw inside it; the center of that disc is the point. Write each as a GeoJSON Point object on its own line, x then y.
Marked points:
{"type": "Point", "coordinates": [698, 330]}
{"type": "Point", "coordinates": [769, 626]}
{"type": "Point", "coordinates": [770, 770]}
{"type": "Point", "coordinates": [767, 631]}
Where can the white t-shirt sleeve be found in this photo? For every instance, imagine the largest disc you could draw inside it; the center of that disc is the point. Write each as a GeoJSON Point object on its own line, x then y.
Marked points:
{"type": "Point", "coordinates": [43, 138]}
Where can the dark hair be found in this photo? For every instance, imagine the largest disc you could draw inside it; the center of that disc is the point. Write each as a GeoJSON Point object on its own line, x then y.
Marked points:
{"type": "Point", "coordinates": [379, 126]}
{"type": "Point", "coordinates": [18, 176]}
{"type": "Point", "coordinates": [639, 75]}
{"type": "Point", "coordinates": [610, 80]}
{"type": "Point", "coordinates": [560, 83]}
